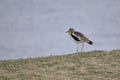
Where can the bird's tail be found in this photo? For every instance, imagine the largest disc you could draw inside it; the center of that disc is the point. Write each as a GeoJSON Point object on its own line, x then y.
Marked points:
{"type": "Point", "coordinates": [90, 42]}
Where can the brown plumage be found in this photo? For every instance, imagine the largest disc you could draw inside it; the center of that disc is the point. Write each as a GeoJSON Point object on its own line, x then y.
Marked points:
{"type": "Point", "coordinates": [78, 38]}
{"type": "Point", "coordinates": [83, 38]}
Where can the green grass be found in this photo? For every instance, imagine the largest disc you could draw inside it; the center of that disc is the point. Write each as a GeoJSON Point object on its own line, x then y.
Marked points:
{"type": "Point", "coordinates": [94, 65]}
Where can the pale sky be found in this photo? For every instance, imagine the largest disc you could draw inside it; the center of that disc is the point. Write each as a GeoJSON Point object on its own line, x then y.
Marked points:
{"type": "Point", "coordinates": [35, 28]}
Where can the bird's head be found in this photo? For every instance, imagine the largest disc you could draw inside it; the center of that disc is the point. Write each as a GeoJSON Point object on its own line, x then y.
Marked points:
{"type": "Point", "coordinates": [70, 31]}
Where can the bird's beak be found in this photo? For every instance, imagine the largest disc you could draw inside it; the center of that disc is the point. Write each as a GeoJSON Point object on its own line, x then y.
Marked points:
{"type": "Point", "coordinates": [68, 32]}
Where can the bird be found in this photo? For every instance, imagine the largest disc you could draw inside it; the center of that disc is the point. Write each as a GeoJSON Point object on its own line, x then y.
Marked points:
{"type": "Point", "coordinates": [78, 37]}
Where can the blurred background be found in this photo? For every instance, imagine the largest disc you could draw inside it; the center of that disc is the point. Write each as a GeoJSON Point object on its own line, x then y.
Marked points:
{"type": "Point", "coordinates": [36, 28]}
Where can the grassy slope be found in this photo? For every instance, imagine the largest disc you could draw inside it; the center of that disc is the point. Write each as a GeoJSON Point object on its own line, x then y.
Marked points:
{"type": "Point", "coordinates": [95, 65]}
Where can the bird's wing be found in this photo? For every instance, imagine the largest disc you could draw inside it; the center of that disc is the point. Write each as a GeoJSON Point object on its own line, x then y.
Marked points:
{"type": "Point", "coordinates": [81, 36]}
{"type": "Point", "coordinates": [75, 37]}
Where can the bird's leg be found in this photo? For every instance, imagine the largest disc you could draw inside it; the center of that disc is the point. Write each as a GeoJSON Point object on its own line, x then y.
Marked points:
{"type": "Point", "coordinates": [82, 47]}
{"type": "Point", "coordinates": [76, 48]}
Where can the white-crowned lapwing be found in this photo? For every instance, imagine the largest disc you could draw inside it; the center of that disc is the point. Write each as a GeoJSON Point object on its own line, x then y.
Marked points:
{"type": "Point", "coordinates": [78, 37]}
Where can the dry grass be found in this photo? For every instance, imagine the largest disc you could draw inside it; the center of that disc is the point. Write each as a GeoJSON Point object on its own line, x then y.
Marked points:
{"type": "Point", "coordinates": [95, 65]}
